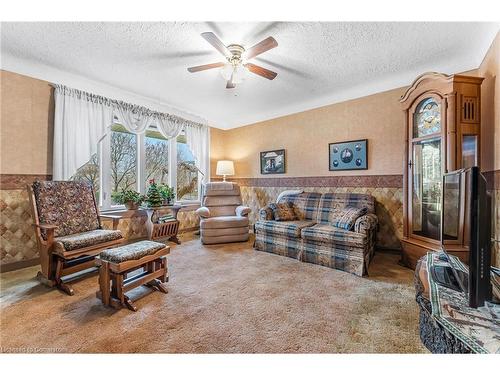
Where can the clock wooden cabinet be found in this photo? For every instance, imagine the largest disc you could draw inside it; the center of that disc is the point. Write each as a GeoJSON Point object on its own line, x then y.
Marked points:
{"type": "Point", "coordinates": [443, 126]}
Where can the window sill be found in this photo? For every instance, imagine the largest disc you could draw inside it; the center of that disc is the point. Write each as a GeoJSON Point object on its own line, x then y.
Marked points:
{"type": "Point", "coordinates": [124, 213]}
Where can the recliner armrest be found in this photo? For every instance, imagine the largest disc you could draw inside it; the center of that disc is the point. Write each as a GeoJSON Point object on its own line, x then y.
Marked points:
{"type": "Point", "coordinates": [243, 210]}
{"type": "Point", "coordinates": [203, 212]}
{"type": "Point", "coordinates": [366, 224]}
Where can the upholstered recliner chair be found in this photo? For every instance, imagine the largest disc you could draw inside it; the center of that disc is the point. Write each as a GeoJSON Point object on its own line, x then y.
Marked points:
{"type": "Point", "coordinates": [223, 218]}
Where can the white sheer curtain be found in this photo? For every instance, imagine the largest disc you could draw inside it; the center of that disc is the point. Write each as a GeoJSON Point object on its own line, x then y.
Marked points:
{"type": "Point", "coordinates": [81, 120]}
{"type": "Point", "coordinates": [198, 141]}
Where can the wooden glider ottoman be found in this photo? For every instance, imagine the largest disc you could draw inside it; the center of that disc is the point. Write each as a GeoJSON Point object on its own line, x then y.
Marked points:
{"type": "Point", "coordinates": [116, 264]}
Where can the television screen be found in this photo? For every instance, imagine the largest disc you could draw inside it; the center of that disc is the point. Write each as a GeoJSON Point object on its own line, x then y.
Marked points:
{"type": "Point", "coordinates": [451, 207]}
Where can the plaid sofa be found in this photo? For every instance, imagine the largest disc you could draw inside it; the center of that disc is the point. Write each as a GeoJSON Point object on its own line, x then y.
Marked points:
{"type": "Point", "coordinates": [313, 239]}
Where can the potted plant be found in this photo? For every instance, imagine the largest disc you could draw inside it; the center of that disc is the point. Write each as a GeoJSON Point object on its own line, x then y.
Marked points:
{"type": "Point", "coordinates": [130, 198]}
{"type": "Point", "coordinates": [167, 193]}
{"type": "Point", "coordinates": [153, 197]}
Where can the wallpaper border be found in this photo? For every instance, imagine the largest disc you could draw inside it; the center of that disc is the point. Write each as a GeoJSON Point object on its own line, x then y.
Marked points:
{"type": "Point", "coordinates": [389, 181]}
{"type": "Point", "coordinates": [19, 181]}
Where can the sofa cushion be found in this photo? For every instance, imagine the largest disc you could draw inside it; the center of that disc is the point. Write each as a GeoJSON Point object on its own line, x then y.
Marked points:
{"type": "Point", "coordinates": [283, 228]}
{"type": "Point", "coordinates": [85, 239]}
{"type": "Point", "coordinates": [304, 204]}
{"type": "Point", "coordinates": [224, 222]}
{"type": "Point", "coordinates": [68, 204]}
{"type": "Point", "coordinates": [338, 201]}
{"type": "Point", "coordinates": [283, 211]}
{"type": "Point", "coordinates": [330, 234]}
{"type": "Point", "coordinates": [345, 218]}
{"type": "Point", "coordinates": [133, 251]}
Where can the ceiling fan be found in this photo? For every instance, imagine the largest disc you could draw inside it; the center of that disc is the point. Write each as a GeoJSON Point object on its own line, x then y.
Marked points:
{"type": "Point", "coordinates": [237, 57]}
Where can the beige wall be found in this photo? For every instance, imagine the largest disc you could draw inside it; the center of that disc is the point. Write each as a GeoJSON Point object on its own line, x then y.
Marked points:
{"type": "Point", "coordinates": [490, 107]}
{"type": "Point", "coordinates": [306, 135]}
{"type": "Point", "coordinates": [217, 140]}
{"type": "Point", "coordinates": [26, 125]}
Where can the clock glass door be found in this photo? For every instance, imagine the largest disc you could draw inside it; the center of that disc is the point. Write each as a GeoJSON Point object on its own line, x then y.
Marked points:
{"type": "Point", "coordinates": [426, 170]}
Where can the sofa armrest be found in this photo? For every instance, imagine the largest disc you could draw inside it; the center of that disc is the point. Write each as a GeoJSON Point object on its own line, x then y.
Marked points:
{"type": "Point", "coordinates": [203, 212]}
{"type": "Point", "coordinates": [243, 210]}
{"type": "Point", "coordinates": [266, 213]}
{"type": "Point", "coordinates": [366, 224]}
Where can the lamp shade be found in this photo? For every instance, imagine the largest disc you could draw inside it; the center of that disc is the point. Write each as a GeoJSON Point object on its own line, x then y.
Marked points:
{"type": "Point", "coordinates": [225, 168]}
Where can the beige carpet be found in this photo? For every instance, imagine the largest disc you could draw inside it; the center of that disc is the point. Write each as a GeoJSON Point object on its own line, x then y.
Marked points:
{"type": "Point", "coordinates": [222, 299]}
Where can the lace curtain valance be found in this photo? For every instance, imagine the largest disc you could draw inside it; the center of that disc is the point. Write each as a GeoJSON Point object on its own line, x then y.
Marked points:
{"type": "Point", "coordinates": [82, 119]}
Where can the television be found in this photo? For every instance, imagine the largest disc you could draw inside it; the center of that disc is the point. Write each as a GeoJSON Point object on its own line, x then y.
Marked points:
{"type": "Point", "coordinates": [466, 222]}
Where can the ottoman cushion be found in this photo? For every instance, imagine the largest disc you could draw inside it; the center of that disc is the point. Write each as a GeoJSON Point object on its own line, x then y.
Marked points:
{"type": "Point", "coordinates": [133, 251]}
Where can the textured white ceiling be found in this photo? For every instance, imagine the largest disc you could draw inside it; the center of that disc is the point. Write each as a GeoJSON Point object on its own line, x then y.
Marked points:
{"type": "Point", "coordinates": [317, 63]}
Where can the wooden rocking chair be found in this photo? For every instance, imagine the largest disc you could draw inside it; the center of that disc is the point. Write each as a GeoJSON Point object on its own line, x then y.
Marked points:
{"type": "Point", "coordinates": [68, 229]}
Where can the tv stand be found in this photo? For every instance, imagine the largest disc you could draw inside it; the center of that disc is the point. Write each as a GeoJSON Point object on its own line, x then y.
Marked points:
{"type": "Point", "coordinates": [447, 323]}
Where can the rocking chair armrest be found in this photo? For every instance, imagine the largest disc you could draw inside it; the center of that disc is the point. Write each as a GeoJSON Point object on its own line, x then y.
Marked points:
{"type": "Point", "coordinates": [46, 226]}
{"type": "Point", "coordinates": [115, 219]}
{"type": "Point", "coordinates": [50, 229]}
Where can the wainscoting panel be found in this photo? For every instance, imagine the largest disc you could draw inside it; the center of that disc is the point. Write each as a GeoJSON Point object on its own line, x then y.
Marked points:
{"type": "Point", "coordinates": [17, 236]}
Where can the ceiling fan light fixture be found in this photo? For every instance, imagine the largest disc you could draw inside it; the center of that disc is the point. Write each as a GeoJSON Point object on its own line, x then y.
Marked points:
{"type": "Point", "coordinates": [226, 71]}
{"type": "Point", "coordinates": [239, 73]}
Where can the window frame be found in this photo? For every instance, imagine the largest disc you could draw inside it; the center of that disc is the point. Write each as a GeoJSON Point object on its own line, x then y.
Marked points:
{"type": "Point", "coordinates": [104, 151]}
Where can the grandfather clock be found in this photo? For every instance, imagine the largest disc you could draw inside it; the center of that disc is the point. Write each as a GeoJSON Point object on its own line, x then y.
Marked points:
{"type": "Point", "coordinates": [443, 126]}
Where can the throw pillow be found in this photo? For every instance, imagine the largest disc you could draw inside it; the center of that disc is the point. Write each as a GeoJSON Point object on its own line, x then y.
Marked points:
{"type": "Point", "coordinates": [346, 217]}
{"type": "Point", "coordinates": [283, 211]}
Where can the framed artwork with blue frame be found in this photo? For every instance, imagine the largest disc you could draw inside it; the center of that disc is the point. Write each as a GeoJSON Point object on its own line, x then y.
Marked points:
{"type": "Point", "coordinates": [344, 156]}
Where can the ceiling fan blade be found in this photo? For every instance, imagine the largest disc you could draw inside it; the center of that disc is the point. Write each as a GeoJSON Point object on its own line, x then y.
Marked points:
{"type": "Point", "coordinates": [261, 47]}
{"type": "Point", "coordinates": [259, 70]}
{"type": "Point", "coordinates": [199, 68]}
{"type": "Point", "coordinates": [230, 84]}
{"type": "Point", "coordinates": [211, 38]}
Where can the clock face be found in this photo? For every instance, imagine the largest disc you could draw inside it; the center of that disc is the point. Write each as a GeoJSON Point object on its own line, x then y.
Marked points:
{"type": "Point", "coordinates": [427, 118]}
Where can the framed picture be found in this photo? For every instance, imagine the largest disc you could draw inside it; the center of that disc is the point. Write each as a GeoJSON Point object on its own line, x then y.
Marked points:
{"type": "Point", "coordinates": [272, 162]}
{"type": "Point", "coordinates": [350, 155]}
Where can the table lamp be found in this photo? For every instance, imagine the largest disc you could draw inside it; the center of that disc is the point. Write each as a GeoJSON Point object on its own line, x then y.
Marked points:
{"type": "Point", "coordinates": [225, 168]}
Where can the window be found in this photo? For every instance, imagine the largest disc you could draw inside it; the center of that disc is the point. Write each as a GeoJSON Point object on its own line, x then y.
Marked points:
{"type": "Point", "coordinates": [128, 161]}
{"type": "Point", "coordinates": [123, 161]}
{"type": "Point", "coordinates": [90, 173]}
{"type": "Point", "coordinates": [156, 158]}
{"type": "Point", "coordinates": [187, 173]}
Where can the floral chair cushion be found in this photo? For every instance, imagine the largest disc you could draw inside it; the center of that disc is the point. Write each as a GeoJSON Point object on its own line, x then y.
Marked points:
{"type": "Point", "coordinates": [68, 204]}
{"type": "Point", "coordinates": [85, 239]}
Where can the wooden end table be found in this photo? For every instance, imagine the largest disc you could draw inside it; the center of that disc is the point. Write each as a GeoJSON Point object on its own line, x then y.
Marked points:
{"type": "Point", "coordinates": [168, 229]}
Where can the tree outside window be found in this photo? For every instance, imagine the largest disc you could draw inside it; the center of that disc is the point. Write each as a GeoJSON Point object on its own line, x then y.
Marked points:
{"type": "Point", "coordinates": [123, 160]}
{"type": "Point", "coordinates": [187, 173]}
